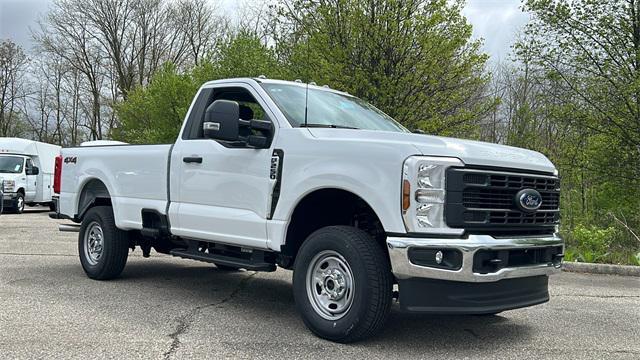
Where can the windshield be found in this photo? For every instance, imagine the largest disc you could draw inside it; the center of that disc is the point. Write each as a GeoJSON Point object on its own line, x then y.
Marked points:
{"type": "Point", "coordinates": [11, 164]}
{"type": "Point", "coordinates": [329, 109]}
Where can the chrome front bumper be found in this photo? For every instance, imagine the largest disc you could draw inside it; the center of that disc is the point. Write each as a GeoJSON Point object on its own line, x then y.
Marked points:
{"type": "Point", "coordinates": [403, 268]}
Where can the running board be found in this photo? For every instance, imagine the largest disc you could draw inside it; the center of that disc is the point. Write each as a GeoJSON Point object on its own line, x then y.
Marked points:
{"type": "Point", "coordinates": [254, 263]}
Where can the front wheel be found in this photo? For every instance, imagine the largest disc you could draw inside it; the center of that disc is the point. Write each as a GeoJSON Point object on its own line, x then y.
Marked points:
{"type": "Point", "coordinates": [342, 284]}
{"type": "Point", "coordinates": [19, 204]}
{"type": "Point", "coordinates": [102, 246]}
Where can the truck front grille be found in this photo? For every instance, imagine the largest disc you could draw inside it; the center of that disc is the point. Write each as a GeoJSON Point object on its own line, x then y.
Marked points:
{"type": "Point", "coordinates": [484, 202]}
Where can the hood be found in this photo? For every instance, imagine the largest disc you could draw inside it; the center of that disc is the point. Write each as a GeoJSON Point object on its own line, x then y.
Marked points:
{"type": "Point", "coordinates": [9, 176]}
{"type": "Point", "coordinates": [470, 152]}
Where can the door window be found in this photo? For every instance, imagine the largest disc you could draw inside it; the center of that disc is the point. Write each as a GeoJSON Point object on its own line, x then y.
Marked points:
{"type": "Point", "coordinates": [250, 109]}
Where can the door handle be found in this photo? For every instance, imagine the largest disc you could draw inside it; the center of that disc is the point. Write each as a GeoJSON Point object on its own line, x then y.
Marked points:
{"type": "Point", "coordinates": [192, 159]}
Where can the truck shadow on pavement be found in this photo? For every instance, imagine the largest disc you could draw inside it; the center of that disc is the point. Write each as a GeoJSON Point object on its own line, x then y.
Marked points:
{"type": "Point", "coordinates": [252, 298]}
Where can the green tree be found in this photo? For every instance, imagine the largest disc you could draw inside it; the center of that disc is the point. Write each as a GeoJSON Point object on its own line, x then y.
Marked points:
{"type": "Point", "coordinates": [414, 59]}
{"type": "Point", "coordinates": [154, 114]}
{"type": "Point", "coordinates": [590, 51]}
{"type": "Point", "coordinates": [593, 49]}
{"type": "Point", "coordinates": [244, 55]}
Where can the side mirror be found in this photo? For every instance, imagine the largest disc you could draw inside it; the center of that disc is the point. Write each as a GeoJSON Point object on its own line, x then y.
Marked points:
{"type": "Point", "coordinates": [34, 171]}
{"type": "Point", "coordinates": [222, 121]}
{"type": "Point", "coordinates": [265, 130]}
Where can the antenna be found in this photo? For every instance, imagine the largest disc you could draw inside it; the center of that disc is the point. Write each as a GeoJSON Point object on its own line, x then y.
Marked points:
{"type": "Point", "coordinates": [306, 104]}
{"type": "Point", "coordinates": [306, 93]}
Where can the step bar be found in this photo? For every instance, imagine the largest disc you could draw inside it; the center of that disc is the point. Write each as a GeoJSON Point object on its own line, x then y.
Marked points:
{"type": "Point", "coordinates": [256, 261]}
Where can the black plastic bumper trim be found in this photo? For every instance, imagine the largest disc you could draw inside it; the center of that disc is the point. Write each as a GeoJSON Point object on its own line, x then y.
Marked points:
{"type": "Point", "coordinates": [453, 297]}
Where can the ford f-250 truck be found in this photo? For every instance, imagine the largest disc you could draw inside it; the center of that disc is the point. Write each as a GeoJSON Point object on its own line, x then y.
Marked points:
{"type": "Point", "coordinates": [270, 173]}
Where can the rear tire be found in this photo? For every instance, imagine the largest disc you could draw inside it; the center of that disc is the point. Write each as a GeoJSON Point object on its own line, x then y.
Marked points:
{"type": "Point", "coordinates": [52, 206]}
{"type": "Point", "coordinates": [342, 284]}
{"type": "Point", "coordinates": [103, 248]}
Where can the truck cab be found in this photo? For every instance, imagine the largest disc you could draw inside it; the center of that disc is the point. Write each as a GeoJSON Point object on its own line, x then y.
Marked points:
{"type": "Point", "coordinates": [25, 170]}
{"type": "Point", "coordinates": [19, 177]}
{"type": "Point", "coordinates": [269, 173]}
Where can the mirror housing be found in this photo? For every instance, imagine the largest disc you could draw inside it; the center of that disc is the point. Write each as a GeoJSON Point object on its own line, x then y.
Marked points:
{"type": "Point", "coordinates": [34, 171]}
{"type": "Point", "coordinates": [221, 121]}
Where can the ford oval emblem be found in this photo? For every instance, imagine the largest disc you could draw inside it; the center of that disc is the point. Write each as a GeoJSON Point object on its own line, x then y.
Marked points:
{"type": "Point", "coordinates": [528, 200]}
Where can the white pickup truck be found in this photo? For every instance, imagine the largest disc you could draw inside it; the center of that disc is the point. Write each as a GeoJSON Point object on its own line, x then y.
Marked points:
{"type": "Point", "coordinates": [270, 173]}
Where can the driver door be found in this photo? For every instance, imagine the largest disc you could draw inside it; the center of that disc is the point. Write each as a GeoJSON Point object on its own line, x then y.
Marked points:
{"type": "Point", "coordinates": [32, 181]}
{"type": "Point", "coordinates": [223, 190]}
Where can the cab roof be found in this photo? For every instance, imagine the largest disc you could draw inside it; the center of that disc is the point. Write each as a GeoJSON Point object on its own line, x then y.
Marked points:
{"type": "Point", "coordinates": [261, 80]}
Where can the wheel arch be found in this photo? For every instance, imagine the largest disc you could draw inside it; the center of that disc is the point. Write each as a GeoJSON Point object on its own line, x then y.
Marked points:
{"type": "Point", "coordinates": [329, 206]}
{"type": "Point", "coordinates": [94, 193]}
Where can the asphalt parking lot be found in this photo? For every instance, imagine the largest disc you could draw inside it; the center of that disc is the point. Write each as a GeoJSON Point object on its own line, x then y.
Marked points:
{"type": "Point", "coordinates": [164, 307]}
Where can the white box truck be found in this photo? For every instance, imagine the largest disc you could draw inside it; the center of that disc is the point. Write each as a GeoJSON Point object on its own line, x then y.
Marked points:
{"type": "Point", "coordinates": [26, 171]}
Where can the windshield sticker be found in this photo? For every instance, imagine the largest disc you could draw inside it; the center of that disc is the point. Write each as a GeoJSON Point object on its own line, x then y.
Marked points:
{"type": "Point", "coordinates": [346, 105]}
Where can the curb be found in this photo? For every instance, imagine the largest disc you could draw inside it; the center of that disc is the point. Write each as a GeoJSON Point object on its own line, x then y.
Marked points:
{"type": "Point", "coordinates": [579, 267]}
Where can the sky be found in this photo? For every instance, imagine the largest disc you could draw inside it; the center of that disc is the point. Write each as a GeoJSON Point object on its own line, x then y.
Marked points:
{"type": "Point", "coordinates": [496, 21]}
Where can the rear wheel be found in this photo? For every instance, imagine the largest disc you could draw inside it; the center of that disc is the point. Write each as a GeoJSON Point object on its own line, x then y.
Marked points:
{"type": "Point", "coordinates": [342, 284]}
{"type": "Point", "coordinates": [102, 246]}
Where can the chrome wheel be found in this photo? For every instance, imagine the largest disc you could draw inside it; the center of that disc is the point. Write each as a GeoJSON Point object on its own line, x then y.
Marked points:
{"type": "Point", "coordinates": [330, 285]}
{"type": "Point", "coordinates": [93, 243]}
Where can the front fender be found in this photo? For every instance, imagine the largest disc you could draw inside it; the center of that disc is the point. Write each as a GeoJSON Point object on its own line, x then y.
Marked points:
{"type": "Point", "coordinates": [374, 173]}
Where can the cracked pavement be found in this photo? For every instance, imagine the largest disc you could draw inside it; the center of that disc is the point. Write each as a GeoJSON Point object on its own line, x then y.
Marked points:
{"type": "Point", "coordinates": [171, 308]}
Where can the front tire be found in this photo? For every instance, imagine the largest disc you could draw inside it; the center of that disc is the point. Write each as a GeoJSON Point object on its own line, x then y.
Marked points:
{"type": "Point", "coordinates": [19, 204]}
{"type": "Point", "coordinates": [103, 248]}
{"type": "Point", "coordinates": [342, 284]}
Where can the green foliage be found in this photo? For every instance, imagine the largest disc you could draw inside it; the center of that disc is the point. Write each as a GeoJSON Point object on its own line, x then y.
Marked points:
{"type": "Point", "coordinates": [414, 60]}
{"type": "Point", "coordinates": [243, 56]}
{"type": "Point", "coordinates": [570, 255]}
{"type": "Point", "coordinates": [583, 57]}
{"type": "Point", "coordinates": [594, 239]}
{"type": "Point", "coordinates": [593, 244]}
{"type": "Point", "coordinates": [155, 113]}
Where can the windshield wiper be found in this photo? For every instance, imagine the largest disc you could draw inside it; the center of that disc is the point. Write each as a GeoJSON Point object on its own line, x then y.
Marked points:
{"type": "Point", "coordinates": [332, 126]}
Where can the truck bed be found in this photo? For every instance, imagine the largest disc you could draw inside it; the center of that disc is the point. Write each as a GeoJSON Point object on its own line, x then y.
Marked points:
{"type": "Point", "coordinates": [134, 175]}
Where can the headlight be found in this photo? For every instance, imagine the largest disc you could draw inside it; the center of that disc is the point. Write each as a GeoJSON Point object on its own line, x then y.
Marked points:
{"type": "Point", "coordinates": [423, 194]}
{"type": "Point", "coordinates": [9, 185]}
